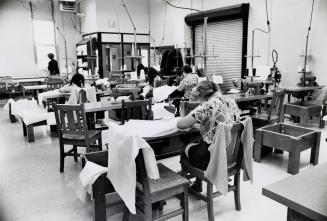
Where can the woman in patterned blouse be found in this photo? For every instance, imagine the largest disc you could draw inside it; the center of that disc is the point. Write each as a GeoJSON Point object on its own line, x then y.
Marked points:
{"type": "Point", "coordinates": [214, 110]}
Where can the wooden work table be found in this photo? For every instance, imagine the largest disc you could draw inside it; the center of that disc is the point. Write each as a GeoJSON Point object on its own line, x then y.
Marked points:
{"type": "Point", "coordinates": [305, 194]}
{"type": "Point", "coordinates": [299, 91]}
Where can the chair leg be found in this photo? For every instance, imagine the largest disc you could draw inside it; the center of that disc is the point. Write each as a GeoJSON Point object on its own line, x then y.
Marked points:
{"type": "Point", "coordinates": [237, 191]}
{"type": "Point", "coordinates": [147, 210]}
{"type": "Point", "coordinates": [24, 130]}
{"type": "Point", "coordinates": [75, 152]}
{"type": "Point", "coordinates": [185, 203]}
{"type": "Point", "coordinates": [126, 214]}
{"type": "Point", "coordinates": [62, 156]}
{"type": "Point", "coordinates": [100, 142]}
{"type": "Point", "coordinates": [211, 216]}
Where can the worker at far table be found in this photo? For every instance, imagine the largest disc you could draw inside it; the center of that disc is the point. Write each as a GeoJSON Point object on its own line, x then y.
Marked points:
{"type": "Point", "coordinates": [184, 89]}
{"type": "Point", "coordinates": [53, 65]}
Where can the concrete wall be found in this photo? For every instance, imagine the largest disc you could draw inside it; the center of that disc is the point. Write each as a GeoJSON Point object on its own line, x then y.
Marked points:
{"type": "Point", "coordinates": [289, 23]}
{"type": "Point", "coordinates": [16, 38]}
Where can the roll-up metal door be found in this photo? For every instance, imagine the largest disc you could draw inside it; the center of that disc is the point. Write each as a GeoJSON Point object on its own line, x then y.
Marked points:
{"type": "Point", "coordinates": [224, 39]}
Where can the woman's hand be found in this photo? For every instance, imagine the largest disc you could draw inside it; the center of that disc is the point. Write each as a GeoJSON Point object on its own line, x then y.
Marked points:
{"type": "Point", "coordinates": [186, 122]}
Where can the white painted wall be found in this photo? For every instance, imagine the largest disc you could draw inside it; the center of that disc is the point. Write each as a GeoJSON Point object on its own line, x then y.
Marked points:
{"type": "Point", "coordinates": [16, 42]}
{"type": "Point", "coordinates": [89, 21]}
{"type": "Point", "coordinates": [289, 22]}
{"type": "Point", "coordinates": [112, 17]}
{"type": "Point", "coordinates": [16, 38]}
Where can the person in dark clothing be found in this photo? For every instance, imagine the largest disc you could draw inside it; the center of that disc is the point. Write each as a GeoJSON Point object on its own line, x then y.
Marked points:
{"type": "Point", "coordinates": [53, 65]}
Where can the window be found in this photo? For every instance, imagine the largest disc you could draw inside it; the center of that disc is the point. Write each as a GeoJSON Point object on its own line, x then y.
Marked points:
{"type": "Point", "coordinates": [44, 38]}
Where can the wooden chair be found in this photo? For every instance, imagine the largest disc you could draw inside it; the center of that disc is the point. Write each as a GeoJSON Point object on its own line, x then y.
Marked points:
{"type": "Point", "coordinates": [273, 114]}
{"type": "Point", "coordinates": [136, 110]}
{"type": "Point", "coordinates": [72, 130]}
{"type": "Point", "coordinates": [152, 191]}
{"type": "Point", "coordinates": [234, 162]}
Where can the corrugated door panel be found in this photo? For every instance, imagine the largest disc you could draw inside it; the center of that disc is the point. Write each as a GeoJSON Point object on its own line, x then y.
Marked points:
{"type": "Point", "coordinates": [224, 39]}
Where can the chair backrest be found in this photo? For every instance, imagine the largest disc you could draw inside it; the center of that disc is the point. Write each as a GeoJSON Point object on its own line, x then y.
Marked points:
{"type": "Point", "coordinates": [235, 149]}
{"type": "Point", "coordinates": [136, 110]}
{"type": "Point", "coordinates": [54, 83]}
{"type": "Point", "coordinates": [276, 103]}
{"type": "Point", "coordinates": [71, 119]}
{"type": "Point", "coordinates": [160, 83]}
{"type": "Point", "coordinates": [82, 97]}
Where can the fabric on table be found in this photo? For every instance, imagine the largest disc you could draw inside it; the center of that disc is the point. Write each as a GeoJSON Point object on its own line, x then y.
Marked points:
{"type": "Point", "coordinates": [34, 116]}
{"type": "Point", "coordinates": [160, 112]}
{"type": "Point", "coordinates": [162, 93]}
{"type": "Point", "coordinates": [87, 177]}
{"type": "Point", "coordinates": [44, 95]}
{"type": "Point", "coordinates": [21, 105]}
{"type": "Point", "coordinates": [123, 148]}
{"type": "Point", "coordinates": [146, 128]}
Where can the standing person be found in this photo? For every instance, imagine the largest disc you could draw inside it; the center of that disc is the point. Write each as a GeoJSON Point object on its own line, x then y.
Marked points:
{"type": "Point", "coordinates": [53, 65]}
{"type": "Point", "coordinates": [215, 110]}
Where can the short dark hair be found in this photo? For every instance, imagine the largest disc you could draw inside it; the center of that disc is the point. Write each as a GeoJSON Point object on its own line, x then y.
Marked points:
{"type": "Point", "coordinates": [187, 69]}
{"type": "Point", "coordinates": [51, 56]}
{"type": "Point", "coordinates": [77, 79]}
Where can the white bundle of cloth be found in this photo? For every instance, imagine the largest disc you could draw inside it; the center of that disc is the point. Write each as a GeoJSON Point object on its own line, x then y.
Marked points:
{"type": "Point", "coordinates": [162, 93]}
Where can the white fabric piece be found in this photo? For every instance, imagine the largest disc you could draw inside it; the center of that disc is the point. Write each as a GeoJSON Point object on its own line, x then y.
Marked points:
{"type": "Point", "coordinates": [90, 94]}
{"type": "Point", "coordinates": [87, 177]}
{"type": "Point", "coordinates": [216, 171]}
{"type": "Point", "coordinates": [43, 96]}
{"type": "Point", "coordinates": [159, 112]}
{"type": "Point", "coordinates": [124, 146]}
{"type": "Point", "coordinates": [34, 116]}
{"type": "Point", "coordinates": [162, 93]}
{"type": "Point", "coordinates": [247, 141]}
{"type": "Point", "coordinates": [21, 105]}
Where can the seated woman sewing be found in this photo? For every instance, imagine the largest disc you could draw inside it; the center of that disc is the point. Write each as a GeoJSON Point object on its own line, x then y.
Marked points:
{"type": "Point", "coordinates": [215, 109]}
{"type": "Point", "coordinates": [184, 89]}
{"type": "Point", "coordinates": [74, 87]}
{"type": "Point", "coordinates": [152, 77]}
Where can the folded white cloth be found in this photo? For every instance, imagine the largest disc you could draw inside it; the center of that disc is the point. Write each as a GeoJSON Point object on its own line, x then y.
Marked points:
{"type": "Point", "coordinates": [87, 177]}
{"type": "Point", "coordinates": [162, 93]}
{"type": "Point", "coordinates": [21, 105]}
{"type": "Point", "coordinates": [123, 148]}
{"type": "Point", "coordinates": [160, 112]}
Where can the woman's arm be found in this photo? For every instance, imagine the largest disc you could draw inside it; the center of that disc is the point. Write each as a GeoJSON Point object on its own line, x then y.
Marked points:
{"type": "Point", "coordinates": [65, 89]}
{"type": "Point", "coordinates": [181, 87]}
{"type": "Point", "coordinates": [186, 122]}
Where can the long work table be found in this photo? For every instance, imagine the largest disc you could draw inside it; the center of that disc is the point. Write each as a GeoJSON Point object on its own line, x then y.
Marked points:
{"type": "Point", "coordinates": [304, 194]}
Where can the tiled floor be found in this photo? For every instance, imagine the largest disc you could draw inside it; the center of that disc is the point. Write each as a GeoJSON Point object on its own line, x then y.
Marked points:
{"type": "Point", "coordinates": [31, 187]}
